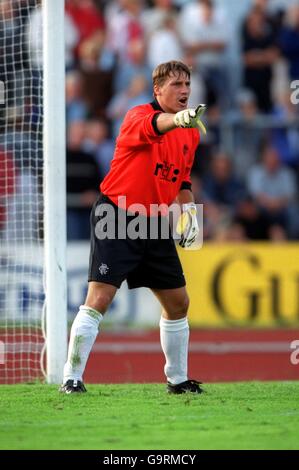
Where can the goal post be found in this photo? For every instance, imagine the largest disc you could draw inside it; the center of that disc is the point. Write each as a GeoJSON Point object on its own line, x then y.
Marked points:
{"type": "Point", "coordinates": [54, 188]}
{"type": "Point", "coordinates": [33, 304]}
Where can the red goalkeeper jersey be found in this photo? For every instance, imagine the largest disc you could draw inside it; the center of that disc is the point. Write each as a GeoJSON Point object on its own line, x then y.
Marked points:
{"type": "Point", "coordinates": [149, 167]}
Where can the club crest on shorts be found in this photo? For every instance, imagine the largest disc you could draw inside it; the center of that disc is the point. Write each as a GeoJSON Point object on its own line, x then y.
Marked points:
{"type": "Point", "coordinates": [103, 269]}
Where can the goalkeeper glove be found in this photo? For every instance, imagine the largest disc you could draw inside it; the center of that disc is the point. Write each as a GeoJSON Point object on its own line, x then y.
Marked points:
{"type": "Point", "coordinates": [187, 225]}
{"type": "Point", "coordinates": [191, 118]}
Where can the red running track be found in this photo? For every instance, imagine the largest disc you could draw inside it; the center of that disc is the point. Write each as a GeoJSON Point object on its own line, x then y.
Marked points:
{"type": "Point", "coordinates": [215, 356]}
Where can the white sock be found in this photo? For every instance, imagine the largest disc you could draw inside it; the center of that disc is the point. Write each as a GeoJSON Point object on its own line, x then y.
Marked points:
{"type": "Point", "coordinates": [174, 336]}
{"type": "Point", "coordinates": [83, 334]}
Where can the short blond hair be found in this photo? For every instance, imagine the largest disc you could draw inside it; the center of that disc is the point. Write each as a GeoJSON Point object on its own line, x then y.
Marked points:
{"type": "Point", "coordinates": [165, 70]}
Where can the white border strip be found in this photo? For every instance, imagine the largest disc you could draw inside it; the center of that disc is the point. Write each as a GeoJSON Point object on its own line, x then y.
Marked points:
{"type": "Point", "coordinates": [196, 347]}
{"type": "Point", "coordinates": [225, 347]}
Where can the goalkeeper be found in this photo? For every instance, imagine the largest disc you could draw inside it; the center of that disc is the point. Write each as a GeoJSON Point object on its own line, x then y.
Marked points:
{"type": "Point", "coordinates": [151, 165]}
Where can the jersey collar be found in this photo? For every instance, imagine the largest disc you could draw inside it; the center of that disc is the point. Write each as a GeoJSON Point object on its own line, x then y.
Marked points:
{"type": "Point", "coordinates": [156, 106]}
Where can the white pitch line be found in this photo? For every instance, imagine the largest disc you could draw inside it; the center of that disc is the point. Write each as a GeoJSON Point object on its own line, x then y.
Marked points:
{"type": "Point", "coordinates": [196, 347]}
{"type": "Point", "coordinates": [225, 347]}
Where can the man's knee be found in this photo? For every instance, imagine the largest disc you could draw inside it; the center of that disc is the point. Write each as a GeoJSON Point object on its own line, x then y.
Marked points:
{"type": "Point", "coordinates": [100, 297]}
{"type": "Point", "coordinates": [180, 309]}
{"type": "Point", "coordinates": [183, 306]}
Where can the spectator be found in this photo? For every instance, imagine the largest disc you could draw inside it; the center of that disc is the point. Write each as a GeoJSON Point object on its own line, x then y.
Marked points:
{"type": "Point", "coordinates": [289, 41]}
{"type": "Point", "coordinates": [11, 48]}
{"type": "Point", "coordinates": [97, 89]}
{"type": "Point", "coordinates": [204, 31]}
{"type": "Point", "coordinates": [221, 186]}
{"type": "Point", "coordinates": [136, 94]}
{"type": "Point", "coordinates": [233, 232]}
{"type": "Point", "coordinates": [83, 179]}
{"type": "Point", "coordinates": [153, 18]}
{"type": "Point", "coordinates": [88, 20]}
{"type": "Point", "coordinates": [164, 43]}
{"type": "Point", "coordinates": [216, 218]}
{"type": "Point", "coordinates": [123, 26]}
{"type": "Point", "coordinates": [273, 188]}
{"type": "Point", "coordinates": [34, 35]}
{"type": "Point", "coordinates": [286, 138]}
{"type": "Point", "coordinates": [97, 142]}
{"type": "Point", "coordinates": [272, 13]}
{"type": "Point", "coordinates": [135, 65]}
{"type": "Point", "coordinates": [76, 107]}
{"type": "Point", "coordinates": [259, 54]}
{"type": "Point", "coordinates": [277, 234]}
{"type": "Point", "coordinates": [248, 136]}
{"type": "Point", "coordinates": [253, 221]}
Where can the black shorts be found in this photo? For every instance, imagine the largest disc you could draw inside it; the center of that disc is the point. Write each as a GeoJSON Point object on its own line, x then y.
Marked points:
{"type": "Point", "coordinates": [152, 263]}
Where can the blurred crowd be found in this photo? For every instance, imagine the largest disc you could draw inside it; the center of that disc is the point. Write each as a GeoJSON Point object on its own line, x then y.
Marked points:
{"type": "Point", "coordinates": [245, 61]}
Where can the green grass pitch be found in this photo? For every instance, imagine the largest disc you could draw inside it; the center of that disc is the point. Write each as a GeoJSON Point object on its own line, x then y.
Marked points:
{"type": "Point", "coordinates": [252, 415]}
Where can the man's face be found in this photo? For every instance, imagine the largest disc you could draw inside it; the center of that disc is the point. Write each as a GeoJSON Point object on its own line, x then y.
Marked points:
{"type": "Point", "coordinates": [173, 95]}
{"type": "Point", "coordinates": [271, 160]}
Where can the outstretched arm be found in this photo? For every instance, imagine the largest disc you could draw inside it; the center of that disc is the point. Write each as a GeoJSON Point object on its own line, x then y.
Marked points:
{"type": "Point", "coordinates": [188, 118]}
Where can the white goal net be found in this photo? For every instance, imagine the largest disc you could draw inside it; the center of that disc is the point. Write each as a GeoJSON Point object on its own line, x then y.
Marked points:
{"type": "Point", "coordinates": [21, 191]}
